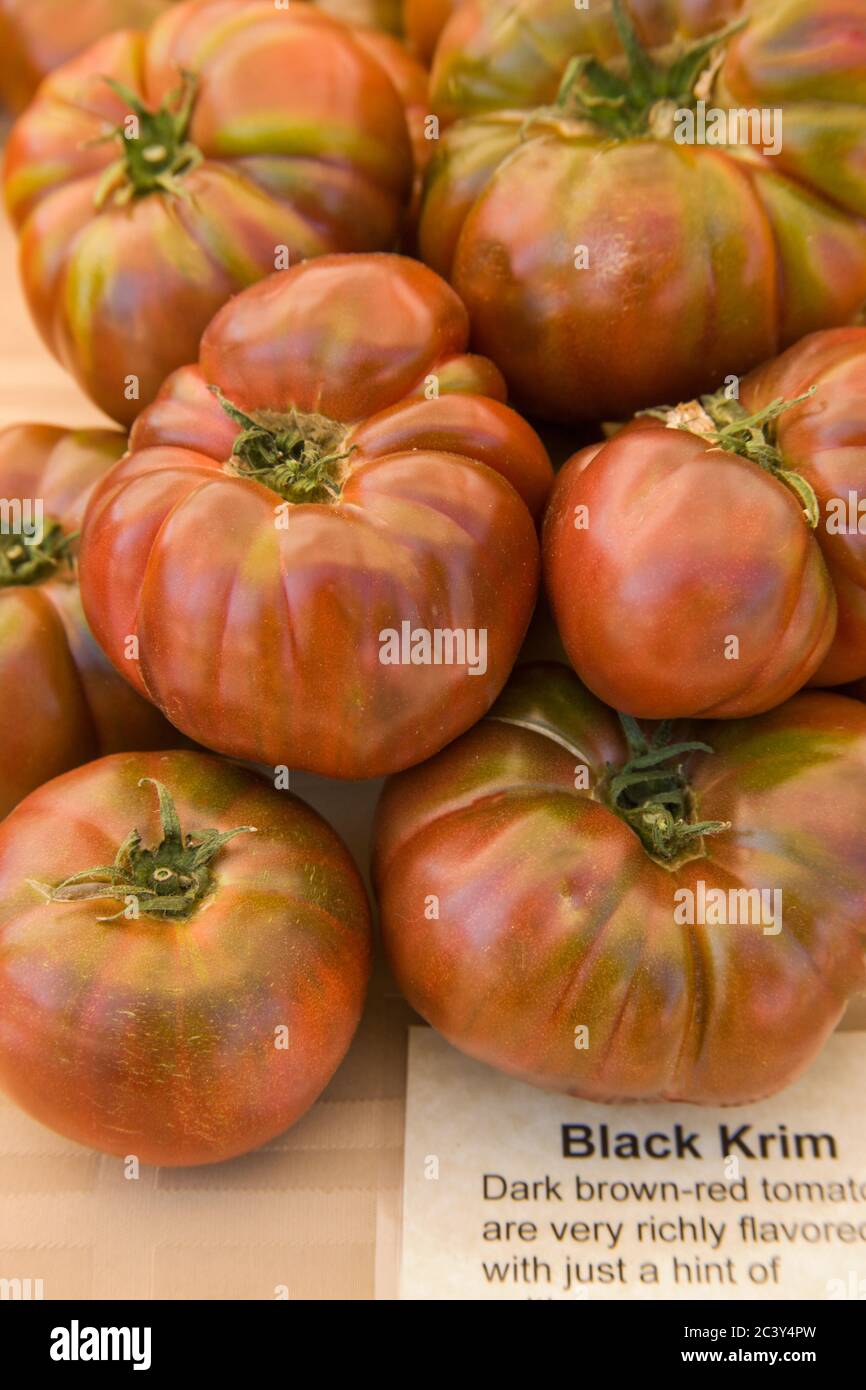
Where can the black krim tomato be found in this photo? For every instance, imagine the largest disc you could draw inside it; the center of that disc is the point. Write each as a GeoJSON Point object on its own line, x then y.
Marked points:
{"type": "Point", "coordinates": [184, 954]}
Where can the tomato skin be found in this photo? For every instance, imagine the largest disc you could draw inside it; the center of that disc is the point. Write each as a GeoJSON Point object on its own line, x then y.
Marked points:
{"type": "Point", "coordinates": [412, 80]}
{"type": "Point", "coordinates": [824, 440]}
{"type": "Point", "coordinates": [157, 1037]}
{"type": "Point", "coordinates": [383, 15]}
{"type": "Point", "coordinates": [37, 36]}
{"type": "Point", "coordinates": [551, 915]}
{"type": "Point", "coordinates": [686, 547]}
{"type": "Point", "coordinates": [424, 21]}
{"type": "Point", "coordinates": [606, 274]}
{"type": "Point", "coordinates": [267, 637]}
{"type": "Point", "coordinates": [63, 702]}
{"type": "Point", "coordinates": [122, 292]}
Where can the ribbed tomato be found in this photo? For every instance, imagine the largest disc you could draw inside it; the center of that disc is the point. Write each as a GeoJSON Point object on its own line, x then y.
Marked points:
{"type": "Point", "coordinates": [716, 567]}
{"type": "Point", "coordinates": [624, 232]}
{"type": "Point", "coordinates": [157, 174]}
{"type": "Point", "coordinates": [603, 912]}
{"type": "Point", "coordinates": [184, 954]}
{"type": "Point", "coordinates": [316, 559]}
{"type": "Point", "coordinates": [63, 703]}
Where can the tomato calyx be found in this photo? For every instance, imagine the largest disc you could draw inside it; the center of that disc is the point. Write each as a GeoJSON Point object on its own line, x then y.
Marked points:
{"type": "Point", "coordinates": [167, 882]}
{"type": "Point", "coordinates": [728, 425]}
{"type": "Point", "coordinates": [26, 559]}
{"type": "Point", "coordinates": [298, 455]}
{"type": "Point", "coordinates": [654, 798]}
{"type": "Point", "coordinates": [644, 99]}
{"type": "Point", "coordinates": [156, 153]}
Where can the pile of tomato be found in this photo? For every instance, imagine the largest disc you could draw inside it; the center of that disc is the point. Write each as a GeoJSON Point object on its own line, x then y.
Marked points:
{"type": "Point", "coordinates": [344, 276]}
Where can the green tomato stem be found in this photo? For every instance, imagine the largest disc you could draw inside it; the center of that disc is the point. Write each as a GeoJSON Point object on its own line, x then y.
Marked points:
{"type": "Point", "coordinates": [624, 104]}
{"type": "Point", "coordinates": [156, 157]}
{"type": "Point", "coordinates": [24, 560]}
{"type": "Point", "coordinates": [655, 799]}
{"type": "Point", "coordinates": [299, 456]}
{"type": "Point", "coordinates": [729, 426]}
{"type": "Point", "coordinates": [166, 882]}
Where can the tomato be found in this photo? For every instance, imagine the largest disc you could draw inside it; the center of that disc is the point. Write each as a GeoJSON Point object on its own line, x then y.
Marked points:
{"type": "Point", "coordinates": [586, 912]}
{"type": "Point", "coordinates": [611, 252]}
{"type": "Point", "coordinates": [63, 703]}
{"type": "Point", "coordinates": [715, 568]}
{"type": "Point", "coordinates": [412, 82]}
{"type": "Point", "coordinates": [240, 160]}
{"type": "Point", "coordinates": [424, 21]}
{"type": "Point", "coordinates": [326, 565]}
{"type": "Point", "coordinates": [385, 15]}
{"type": "Point", "coordinates": [190, 997]}
{"type": "Point", "coordinates": [36, 36]}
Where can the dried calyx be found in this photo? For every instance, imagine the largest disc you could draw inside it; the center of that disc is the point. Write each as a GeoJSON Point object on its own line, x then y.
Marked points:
{"type": "Point", "coordinates": [643, 98]}
{"type": "Point", "coordinates": [156, 151]}
{"type": "Point", "coordinates": [298, 455]}
{"type": "Point", "coordinates": [168, 881]}
{"type": "Point", "coordinates": [27, 560]}
{"type": "Point", "coordinates": [650, 792]}
{"type": "Point", "coordinates": [729, 426]}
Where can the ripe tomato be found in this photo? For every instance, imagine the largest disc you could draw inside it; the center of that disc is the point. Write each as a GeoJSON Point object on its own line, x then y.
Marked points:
{"type": "Point", "coordinates": [63, 703]}
{"type": "Point", "coordinates": [36, 36]}
{"type": "Point", "coordinates": [222, 155]}
{"type": "Point", "coordinates": [682, 568]}
{"type": "Point", "coordinates": [530, 892]}
{"type": "Point", "coordinates": [412, 81]}
{"type": "Point", "coordinates": [269, 550]}
{"type": "Point", "coordinates": [190, 997]}
{"type": "Point", "coordinates": [611, 252]}
{"type": "Point", "coordinates": [385, 15]}
{"type": "Point", "coordinates": [424, 21]}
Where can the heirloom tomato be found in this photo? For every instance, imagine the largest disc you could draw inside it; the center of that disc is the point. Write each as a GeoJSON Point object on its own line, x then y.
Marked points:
{"type": "Point", "coordinates": [36, 36]}
{"type": "Point", "coordinates": [716, 566]}
{"type": "Point", "coordinates": [324, 563]}
{"type": "Point", "coordinates": [598, 910]}
{"type": "Point", "coordinates": [62, 701]}
{"type": "Point", "coordinates": [184, 954]}
{"type": "Point", "coordinates": [158, 173]}
{"type": "Point", "coordinates": [385, 15]}
{"type": "Point", "coordinates": [640, 198]}
{"type": "Point", "coordinates": [424, 21]}
{"type": "Point", "coordinates": [412, 82]}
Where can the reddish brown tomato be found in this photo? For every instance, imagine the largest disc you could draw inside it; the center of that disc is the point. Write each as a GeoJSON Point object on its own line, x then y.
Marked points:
{"type": "Point", "coordinates": [412, 82]}
{"type": "Point", "coordinates": [424, 21]}
{"type": "Point", "coordinates": [624, 232]}
{"type": "Point", "coordinates": [241, 159]}
{"type": "Point", "coordinates": [191, 998]}
{"type": "Point", "coordinates": [684, 574]}
{"type": "Point", "coordinates": [36, 36]}
{"type": "Point", "coordinates": [384, 15]}
{"type": "Point", "coordinates": [267, 548]}
{"type": "Point", "coordinates": [557, 909]}
{"type": "Point", "coordinates": [63, 702]}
